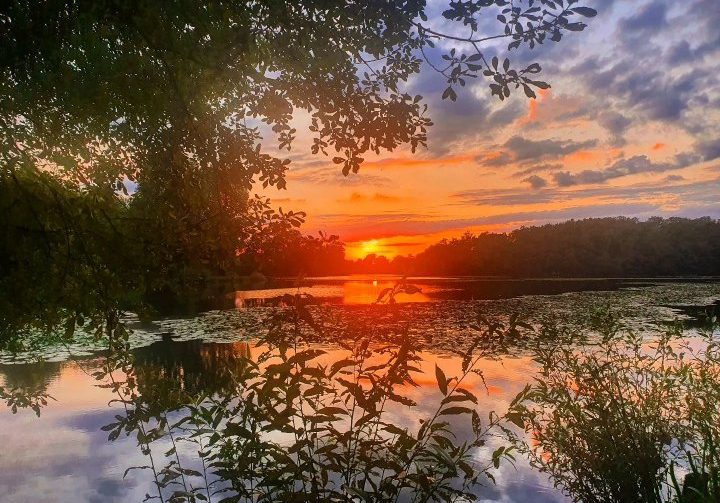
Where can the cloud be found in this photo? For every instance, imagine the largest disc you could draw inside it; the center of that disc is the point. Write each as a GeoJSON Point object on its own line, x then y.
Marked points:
{"type": "Point", "coordinates": [475, 115]}
{"type": "Point", "coordinates": [385, 198]}
{"type": "Point", "coordinates": [288, 200]}
{"type": "Point", "coordinates": [382, 226]}
{"type": "Point", "coordinates": [536, 182]}
{"type": "Point", "coordinates": [494, 159]}
{"type": "Point", "coordinates": [709, 149]}
{"type": "Point", "coordinates": [639, 200]}
{"type": "Point", "coordinates": [416, 161]}
{"type": "Point", "coordinates": [616, 124]}
{"type": "Point", "coordinates": [623, 167]}
{"type": "Point", "coordinates": [537, 168]}
{"type": "Point", "coordinates": [400, 244]}
{"type": "Point", "coordinates": [680, 53]}
{"type": "Point", "coordinates": [648, 21]}
{"type": "Point", "coordinates": [550, 108]}
{"type": "Point", "coordinates": [377, 197]}
{"type": "Point", "coordinates": [523, 149]}
{"type": "Point", "coordinates": [696, 191]}
{"type": "Point", "coordinates": [704, 16]}
{"type": "Point", "coordinates": [633, 78]}
{"type": "Point", "coordinates": [331, 175]}
{"type": "Point", "coordinates": [503, 197]}
{"type": "Point", "coordinates": [674, 178]}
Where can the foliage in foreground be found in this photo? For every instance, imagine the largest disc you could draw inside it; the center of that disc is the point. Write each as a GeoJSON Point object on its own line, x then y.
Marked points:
{"type": "Point", "coordinates": [72, 258]}
{"type": "Point", "coordinates": [631, 419]}
{"type": "Point", "coordinates": [611, 417]}
{"type": "Point", "coordinates": [295, 426]}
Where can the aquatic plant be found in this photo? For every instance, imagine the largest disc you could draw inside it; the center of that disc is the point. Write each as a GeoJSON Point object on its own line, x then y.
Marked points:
{"type": "Point", "coordinates": [631, 418]}
{"type": "Point", "coordinates": [295, 426]}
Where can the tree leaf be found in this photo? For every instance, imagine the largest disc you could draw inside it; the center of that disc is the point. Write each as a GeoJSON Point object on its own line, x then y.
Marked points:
{"type": "Point", "coordinates": [441, 380]}
{"type": "Point", "coordinates": [585, 11]}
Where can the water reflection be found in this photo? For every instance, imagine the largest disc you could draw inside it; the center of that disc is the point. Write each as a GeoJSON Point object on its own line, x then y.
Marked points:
{"type": "Point", "coordinates": [162, 379]}
{"type": "Point", "coordinates": [188, 368]}
{"type": "Point", "coordinates": [322, 422]}
{"type": "Point", "coordinates": [34, 378]}
{"type": "Point", "coordinates": [361, 289]}
{"type": "Point", "coordinates": [171, 373]}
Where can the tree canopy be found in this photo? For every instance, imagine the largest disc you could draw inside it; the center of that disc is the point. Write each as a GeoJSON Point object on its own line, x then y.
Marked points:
{"type": "Point", "coordinates": [109, 90]}
{"type": "Point", "coordinates": [593, 247]}
{"type": "Point", "coordinates": [134, 132]}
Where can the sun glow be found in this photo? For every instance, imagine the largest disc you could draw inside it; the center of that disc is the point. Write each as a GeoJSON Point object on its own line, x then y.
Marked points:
{"type": "Point", "coordinates": [371, 246]}
{"type": "Point", "coordinates": [361, 249]}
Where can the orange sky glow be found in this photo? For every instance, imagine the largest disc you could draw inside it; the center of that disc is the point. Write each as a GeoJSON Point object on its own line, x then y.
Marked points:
{"type": "Point", "coordinates": [585, 148]}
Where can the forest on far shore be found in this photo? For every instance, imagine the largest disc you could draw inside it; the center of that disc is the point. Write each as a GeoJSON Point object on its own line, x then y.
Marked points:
{"type": "Point", "coordinates": [593, 247]}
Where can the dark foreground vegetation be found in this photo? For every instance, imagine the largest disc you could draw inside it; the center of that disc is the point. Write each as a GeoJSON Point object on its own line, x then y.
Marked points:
{"type": "Point", "coordinates": [601, 247]}
{"type": "Point", "coordinates": [612, 416]}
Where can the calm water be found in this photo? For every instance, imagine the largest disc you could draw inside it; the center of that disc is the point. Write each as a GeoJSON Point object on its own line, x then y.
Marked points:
{"type": "Point", "coordinates": [65, 456]}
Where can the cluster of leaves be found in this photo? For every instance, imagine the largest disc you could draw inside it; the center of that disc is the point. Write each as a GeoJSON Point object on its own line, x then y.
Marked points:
{"type": "Point", "coordinates": [528, 23]}
{"type": "Point", "coordinates": [625, 419]}
{"type": "Point", "coordinates": [71, 258]}
{"type": "Point", "coordinates": [59, 258]}
{"type": "Point", "coordinates": [292, 254]}
{"type": "Point", "coordinates": [294, 424]}
{"type": "Point", "coordinates": [20, 399]}
{"type": "Point", "coordinates": [387, 295]}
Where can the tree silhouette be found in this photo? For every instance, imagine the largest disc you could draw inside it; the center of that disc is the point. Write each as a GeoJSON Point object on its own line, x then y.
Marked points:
{"type": "Point", "coordinates": [162, 111]}
{"type": "Point", "coordinates": [594, 247]}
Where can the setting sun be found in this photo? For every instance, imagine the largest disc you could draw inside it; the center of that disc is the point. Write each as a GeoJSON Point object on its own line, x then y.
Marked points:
{"type": "Point", "coordinates": [371, 246]}
{"type": "Point", "coordinates": [360, 249]}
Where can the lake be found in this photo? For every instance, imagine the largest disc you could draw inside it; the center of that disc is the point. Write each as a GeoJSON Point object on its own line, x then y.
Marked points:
{"type": "Point", "coordinates": [65, 454]}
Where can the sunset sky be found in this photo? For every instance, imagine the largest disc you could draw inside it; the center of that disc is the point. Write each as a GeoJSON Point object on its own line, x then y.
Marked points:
{"type": "Point", "coordinates": [630, 127]}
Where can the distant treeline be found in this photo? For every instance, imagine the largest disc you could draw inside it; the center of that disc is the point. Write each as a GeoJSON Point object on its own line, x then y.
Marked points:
{"type": "Point", "coordinates": [608, 247]}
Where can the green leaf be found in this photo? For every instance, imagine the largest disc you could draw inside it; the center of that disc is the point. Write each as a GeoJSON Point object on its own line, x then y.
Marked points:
{"type": "Point", "coordinates": [331, 411]}
{"type": "Point", "coordinates": [441, 380]}
{"type": "Point", "coordinates": [575, 26]}
{"type": "Point", "coordinates": [585, 11]}
{"type": "Point", "coordinates": [452, 411]}
{"type": "Point", "coordinates": [516, 419]}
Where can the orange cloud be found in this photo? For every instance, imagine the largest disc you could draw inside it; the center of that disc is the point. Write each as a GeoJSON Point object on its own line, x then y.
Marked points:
{"type": "Point", "coordinates": [493, 158]}
{"type": "Point", "coordinates": [533, 107]}
{"type": "Point", "coordinates": [408, 162]}
{"type": "Point", "coordinates": [658, 146]}
{"type": "Point", "coordinates": [555, 111]}
{"type": "Point", "coordinates": [377, 197]}
{"type": "Point", "coordinates": [586, 156]}
{"type": "Point", "coordinates": [581, 155]}
{"type": "Point", "coordinates": [385, 198]}
{"type": "Point", "coordinates": [288, 200]}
